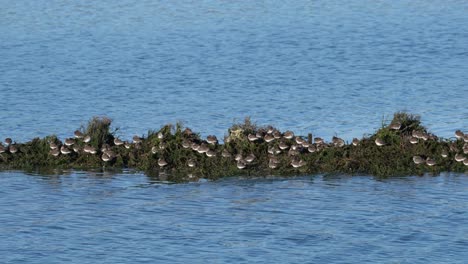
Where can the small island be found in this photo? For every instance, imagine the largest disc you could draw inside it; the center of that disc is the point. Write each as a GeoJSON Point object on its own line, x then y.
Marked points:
{"type": "Point", "coordinates": [177, 154]}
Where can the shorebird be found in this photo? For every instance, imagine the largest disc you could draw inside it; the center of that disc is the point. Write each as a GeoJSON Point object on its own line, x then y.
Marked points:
{"type": "Point", "coordinates": [252, 137]}
{"type": "Point", "coordinates": [430, 162]}
{"type": "Point", "coordinates": [299, 140]}
{"type": "Point", "coordinates": [355, 141]}
{"type": "Point", "coordinates": [127, 145]}
{"type": "Point", "coordinates": [106, 157]}
{"type": "Point", "coordinates": [8, 141]}
{"type": "Point", "coordinates": [312, 149]}
{"type": "Point", "coordinates": [2, 149]}
{"type": "Point", "coordinates": [53, 145]}
{"type": "Point", "coordinates": [413, 140]}
{"type": "Point", "coordinates": [276, 134]}
{"type": "Point", "coordinates": [211, 139]}
{"type": "Point", "coordinates": [118, 142]}
{"type": "Point", "coordinates": [297, 163]}
{"type": "Point", "coordinates": [225, 153]}
{"type": "Point", "coordinates": [210, 153]}
{"type": "Point", "coordinates": [273, 163]}
{"type": "Point", "coordinates": [465, 149]}
{"type": "Point", "coordinates": [288, 135]}
{"type": "Point", "coordinates": [319, 140]}
{"type": "Point", "coordinates": [13, 149]}
{"type": "Point", "coordinates": [459, 157]}
{"type": "Point", "coordinates": [89, 149]}
{"type": "Point", "coordinates": [64, 150]}
{"type": "Point", "coordinates": [465, 138]}
{"type": "Point", "coordinates": [203, 148]}
{"type": "Point", "coordinates": [465, 162]}
{"type": "Point", "coordinates": [195, 146]}
{"type": "Point", "coordinates": [186, 143]}
{"type": "Point", "coordinates": [259, 134]}
{"type": "Point", "coordinates": [379, 142]}
{"type": "Point", "coordinates": [459, 134]}
{"type": "Point", "coordinates": [444, 153]}
{"type": "Point", "coordinates": [338, 142]}
{"type": "Point", "coordinates": [87, 139]}
{"type": "Point", "coordinates": [55, 152]}
{"type": "Point", "coordinates": [160, 135]}
{"type": "Point", "coordinates": [69, 141]}
{"type": "Point", "coordinates": [241, 164]}
{"type": "Point", "coordinates": [418, 160]}
{"type": "Point", "coordinates": [250, 158]}
{"type": "Point", "coordinates": [154, 150]}
{"type": "Point", "coordinates": [238, 157]}
{"type": "Point", "coordinates": [78, 134]}
{"type": "Point", "coordinates": [191, 163]}
{"type": "Point", "coordinates": [137, 139]}
{"type": "Point", "coordinates": [76, 149]}
{"type": "Point", "coordinates": [283, 145]}
{"type": "Point", "coordinates": [395, 126]}
{"type": "Point", "coordinates": [162, 162]}
{"type": "Point", "coordinates": [187, 132]}
{"type": "Point", "coordinates": [269, 138]}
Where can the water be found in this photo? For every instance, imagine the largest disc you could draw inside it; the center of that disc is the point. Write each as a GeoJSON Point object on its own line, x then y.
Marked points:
{"type": "Point", "coordinates": [313, 66]}
{"type": "Point", "coordinates": [96, 218]}
{"type": "Point", "coordinates": [326, 67]}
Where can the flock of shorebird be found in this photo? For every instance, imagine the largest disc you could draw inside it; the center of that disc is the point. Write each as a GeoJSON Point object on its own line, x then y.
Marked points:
{"type": "Point", "coordinates": [287, 143]}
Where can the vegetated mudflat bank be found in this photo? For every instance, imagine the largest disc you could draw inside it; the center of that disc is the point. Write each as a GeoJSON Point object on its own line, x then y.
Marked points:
{"type": "Point", "coordinates": [175, 153]}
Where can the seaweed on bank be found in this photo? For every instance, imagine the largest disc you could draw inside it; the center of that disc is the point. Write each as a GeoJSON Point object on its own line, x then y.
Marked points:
{"type": "Point", "coordinates": [176, 153]}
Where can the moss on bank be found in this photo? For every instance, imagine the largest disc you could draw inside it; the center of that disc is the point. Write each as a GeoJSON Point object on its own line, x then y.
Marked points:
{"type": "Point", "coordinates": [177, 154]}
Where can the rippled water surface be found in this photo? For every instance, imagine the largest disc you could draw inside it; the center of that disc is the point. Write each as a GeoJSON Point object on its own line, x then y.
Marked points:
{"type": "Point", "coordinates": [89, 218]}
{"type": "Point", "coordinates": [326, 67]}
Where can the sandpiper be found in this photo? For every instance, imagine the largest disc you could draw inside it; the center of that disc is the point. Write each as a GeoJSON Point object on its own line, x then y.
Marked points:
{"type": "Point", "coordinates": [64, 150]}
{"type": "Point", "coordinates": [13, 149]}
{"type": "Point", "coordinates": [299, 140]}
{"type": "Point", "coordinates": [413, 140]}
{"type": "Point", "coordinates": [269, 138]}
{"type": "Point", "coordinates": [319, 140]}
{"type": "Point", "coordinates": [106, 157]}
{"type": "Point", "coordinates": [465, 162]}
{"type": "Point", "coordinates": [465, 149]}
{"type": "Point", "coordinates": [465, 138]}
{"type": "Point", "coordinates": [78, 134]}
{"type": "Point", "coordinates": [210, 153]}
{"type": "Point", "coordinates": [76, 149]}
{"type": "Point", "coordinates": [8, 141]}
{"type": "Point", "coordinates": [338, 142]}
{"type": "Point", "coordinates": [276, 134]}
{"type": "Point", "coordinates": [154, 150]}
{"type": "Point", "coordinates": [89, 149]}
{"type": "Point", "coordinates": [211, 139]}
{"type": "Point", "coordinates": [355, 141]}
{"type": "Point", "coordinates": [459, 134]}
{"type": "Point", "coordinates": [424, 136]}
{"type": "Point", "coordinates": [127, 145]}
{"type": "Point", "coordinates": [418, 160]}
{"type": "Point", "coordinates": [250, 158]}
{"type": "Point", "coordinates": [191, 163]}
{"type": "Point", "coordinates": [186, 143]}
{"type": "Point", "coordinates": [430, 162]}
{"type": "Point", "coordinates": [288, 135]}
{"type": "Point", "coordinates": [270, 130]}
{"type": "Point", "coordinates": [444, 153]}
{"type": "Point", "coordinates": [2, 149]}
{"type": "Point", "coordinates": [459, 157]}
{"type": "Point", "coordinates": [241, 164]}
{"type": "Point", "coordinates": [55, 152]}
{"type": "Point", "coordinates": [195, 146]}
{"type": "Point", "coordinates": [69, 141]}
{"type": "Point", "coordinates": [137, 139]}
{"type": "Point", "coordinates": [162, 162]}
{"type": "Point", "coordinates": [225, 153]}
{"type": "Point", "coordinates": [252, 137]}
{"type": "Point", "coordinates": [87, 139]}
{"type": "Point", "coordinates": [160, 135]}
{"type": "Point", "coordinates": [187, 132]}
{"type": "Point", "coordinates": [259, 134]}
{"type": "Point", "coordinates": [118, 142]}
{"type": "Point", "coordinates": [53, 145]}
{"type": "Point", "coordinates": [203, 148]}
{"type": "Point", "coordinates": [283, 146]}
{"type": "Point", "coordinates": [312, 149]}
{"type": "Point", "coordinates": [238, 157]}
{"type": "Point", "coordinates": [379, 142]}
{"type": "Point", "coordinates": [273, 163]}
{"type": "Point", "coordinates": [395, 126]}
{"type": "Point", "coordinates": [297, 163]}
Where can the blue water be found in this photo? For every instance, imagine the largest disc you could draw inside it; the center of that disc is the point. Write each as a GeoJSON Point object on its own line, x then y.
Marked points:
{"type": "Point", "coordinates": [326, 67]}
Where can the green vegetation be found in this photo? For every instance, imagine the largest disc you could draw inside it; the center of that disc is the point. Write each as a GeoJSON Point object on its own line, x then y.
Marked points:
{"type": "Point", "coordinates": [259, 148]}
